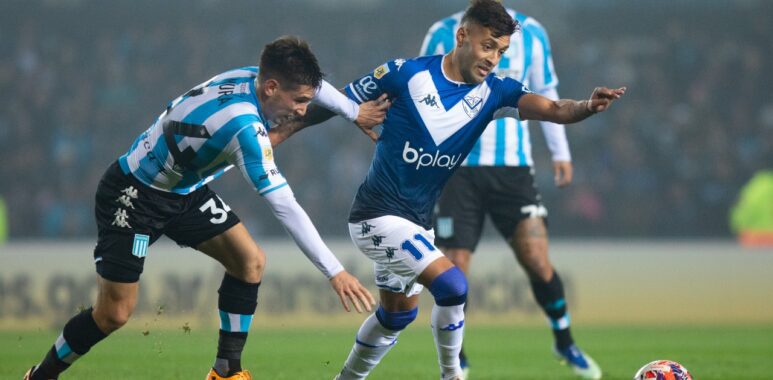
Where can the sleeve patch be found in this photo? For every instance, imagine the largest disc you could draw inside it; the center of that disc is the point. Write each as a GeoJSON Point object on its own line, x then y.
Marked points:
{"type": "Point", "coordinates": [380, 71]}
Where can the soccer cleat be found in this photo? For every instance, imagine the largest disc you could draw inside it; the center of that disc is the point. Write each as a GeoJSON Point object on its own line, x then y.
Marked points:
{"type": "Point", "coordinates": [465, 366]}
{"type": "Point", "coordinates": [241, 375]}
{"type": "Point", "coordinates": [582, 364]}
{"type": "Point", "coordinates": [28, 374]}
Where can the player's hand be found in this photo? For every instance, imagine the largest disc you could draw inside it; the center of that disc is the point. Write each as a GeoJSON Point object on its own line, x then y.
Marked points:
{"type": "Point", "coordinates": [601, 98]}
{"type": "Point", "coordinates": [563, 173]}
{"type": "Point", "coordinates": [348, 287]}
{"type": "Point", "coordinates": [372, 114]}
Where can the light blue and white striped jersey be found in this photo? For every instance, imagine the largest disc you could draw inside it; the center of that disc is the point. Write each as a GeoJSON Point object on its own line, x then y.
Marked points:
{"type": "Point", "coordinates": [506, 142]}
{"type": "Point", "coordinates": [202, 134]}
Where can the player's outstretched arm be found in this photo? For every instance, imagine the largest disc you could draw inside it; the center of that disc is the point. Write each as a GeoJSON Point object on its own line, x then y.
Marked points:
{"type": "Point", "coordinates": [567, 111]}
{"type": "Point", "coordinates": [349, 288]}
{"type": "Point", "coordinates": [371, 114]}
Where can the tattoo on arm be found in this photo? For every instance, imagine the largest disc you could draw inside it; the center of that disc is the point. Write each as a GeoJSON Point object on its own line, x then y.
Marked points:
{"type": "Point", "coordinates": [572, 111]}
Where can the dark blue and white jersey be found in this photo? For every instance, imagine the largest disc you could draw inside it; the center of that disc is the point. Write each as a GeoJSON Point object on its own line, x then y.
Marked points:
{"type": "Point", "coordinates": [202, 134]}
{"type": "Point", "coordinates": [506, 141]}
{"type": "Point", "coordinates": [432, 125]}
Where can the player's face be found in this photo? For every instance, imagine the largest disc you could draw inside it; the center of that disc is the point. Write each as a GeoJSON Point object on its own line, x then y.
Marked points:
{"type": "Point", "coordinates": [479, 51]}
{"type": "Point", "coordinates": [285, 103]}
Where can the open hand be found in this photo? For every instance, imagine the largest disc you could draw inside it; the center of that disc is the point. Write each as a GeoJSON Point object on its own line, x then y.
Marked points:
{"type": "Point", "coordinates": [348, 287]}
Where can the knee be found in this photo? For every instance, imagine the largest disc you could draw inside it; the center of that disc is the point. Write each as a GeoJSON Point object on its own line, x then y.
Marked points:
{"type": "Point", "coordinates": [449, 288]}
{"type": "Point", "coordinates": [252, 268]}
{"type": "Point", "coordinates": [112, 318]}
{"type": "Point", "coordinates": [396, 320]}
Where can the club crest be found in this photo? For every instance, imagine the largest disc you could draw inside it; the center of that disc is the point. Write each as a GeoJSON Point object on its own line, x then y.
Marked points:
{"type": "Point", "coordinates": [472, 105]}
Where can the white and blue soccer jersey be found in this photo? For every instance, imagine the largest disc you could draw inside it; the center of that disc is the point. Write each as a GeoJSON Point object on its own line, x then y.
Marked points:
{"type": "Point", "coordinates": [202, 134]}
{"type": "Point", "coordinates": [430, 128]}
{"type": "Point", "coordinates": [506, 141]}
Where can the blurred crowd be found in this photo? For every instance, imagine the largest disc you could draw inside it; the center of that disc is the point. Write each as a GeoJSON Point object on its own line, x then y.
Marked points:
{"type": "Point", "coordinates": [83, 78]}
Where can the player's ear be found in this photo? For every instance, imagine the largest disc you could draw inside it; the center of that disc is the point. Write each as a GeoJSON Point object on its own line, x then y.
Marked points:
{"type": "Point", "coordinates": [461, 34]}
{"type": "Point", "coordinates": [270, 87]}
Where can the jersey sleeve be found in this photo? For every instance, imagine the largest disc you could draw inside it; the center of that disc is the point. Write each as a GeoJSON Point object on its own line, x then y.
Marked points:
{"type": "Point", "coordinates": [251, 152]}
{"type": "Point", "coordinates": [383, 80]}
{"type": "Point", "coordinates": [542, 73]}
{"type": "Point", "coordinates": [512, 90]}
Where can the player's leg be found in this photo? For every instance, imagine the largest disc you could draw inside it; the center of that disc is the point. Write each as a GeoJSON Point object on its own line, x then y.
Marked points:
{"type": "Point", "coordinates": [518, 214]}
{"type": "Point", "coordinates": [459, 221]}
{"type": "Point", "coordinates": [404, 259]}
{"type": "Point", "coordinates": [211, 227]}
{"type": "Point", "coordinates": [378, 333]}
{"type": "Point", "coordinates": [448, 286]}
{"type": "Point", "coordinates": [115, 303]}
{"type": "Point", "coordinates": [126, 214]}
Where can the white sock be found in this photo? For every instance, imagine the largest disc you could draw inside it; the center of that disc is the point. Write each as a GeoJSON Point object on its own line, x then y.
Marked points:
{"type": "Point", "coordinates": [373, 342]}
{"type": "Point", "coordinates": [448, 330]}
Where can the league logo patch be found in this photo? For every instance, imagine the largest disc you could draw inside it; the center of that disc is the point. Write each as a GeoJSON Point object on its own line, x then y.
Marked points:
{"type": "Point", "coordinates": [380, 71]}
{"type": "Point", "coordinates": [445, 227]}
{"type": "Point", "coordinates": [268, 154]}
{"type": "Point", "coordinates": [472, 105]}
{"type": "Point", "coordinates": [140, 246]}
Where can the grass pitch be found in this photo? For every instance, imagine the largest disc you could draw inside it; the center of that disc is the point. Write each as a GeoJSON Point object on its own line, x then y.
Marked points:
{"type": "Point", "coordinates": [709, 352]}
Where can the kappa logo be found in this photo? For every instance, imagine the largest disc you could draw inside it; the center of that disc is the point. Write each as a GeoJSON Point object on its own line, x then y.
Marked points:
{"type": "Point", "coordinates": [429, 100]}
{"type": "Point", "coordinates": [471, 105]}
{"type": "Point", "coordinates": [399, 63]}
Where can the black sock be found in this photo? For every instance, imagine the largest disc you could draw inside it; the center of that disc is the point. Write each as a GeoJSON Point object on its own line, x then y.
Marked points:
{"type": "Point", "coordinates": [78, 336]}
{"type": "Point", "coordinates": [239, 299]}
{"type": "Point", "coordinates": [550, 297]}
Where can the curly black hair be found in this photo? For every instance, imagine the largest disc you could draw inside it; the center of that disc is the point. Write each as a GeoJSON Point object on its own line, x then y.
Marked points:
{"type": "Point", "coordinates": [290, 60]}
{"type": "Point", "coordinates": [491, 14]}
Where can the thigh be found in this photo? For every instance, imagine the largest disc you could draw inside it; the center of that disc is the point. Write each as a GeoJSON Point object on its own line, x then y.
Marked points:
{"type": "Point", "coordinates": [460, 211]}
{"type": "Point", "coordinates": [513, 197]}
{"type": "Point", "coordinates": [400, 250]}
{"type": "Point", "coordinates": [130, 217]}
{"type": "Point", "coordinates": [204, 217]}
{"type": "Point", "coordinates": [238, 252]}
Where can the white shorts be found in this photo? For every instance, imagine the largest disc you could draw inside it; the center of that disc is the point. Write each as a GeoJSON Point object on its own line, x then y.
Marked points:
{"type": "Point", "coordinates": [400, 249]}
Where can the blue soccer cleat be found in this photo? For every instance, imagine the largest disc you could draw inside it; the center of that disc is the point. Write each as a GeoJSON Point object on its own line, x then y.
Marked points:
{"type": "Point", "coordinates": [582, 364]}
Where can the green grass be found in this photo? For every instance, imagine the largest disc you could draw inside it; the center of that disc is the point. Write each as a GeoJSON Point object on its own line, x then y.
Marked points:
{"type": "Point", "coordinates": [709, 352]}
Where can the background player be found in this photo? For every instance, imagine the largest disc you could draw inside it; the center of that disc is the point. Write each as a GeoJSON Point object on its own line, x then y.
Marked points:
{"type": "Point", "coordinates": [497, 179]}
{"type": "Point", "coordinates": [159, 187]}
{"type": "Point", "coordinates": [440, 106]}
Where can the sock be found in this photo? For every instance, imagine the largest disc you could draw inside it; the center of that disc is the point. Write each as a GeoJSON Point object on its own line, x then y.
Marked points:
{"type": "Point", "coordinates": [448, 331]}
{"type": "Point", "coordinates": [550, 296]}
{"type": "Point", "coordinates": [375, 338]}
{"type": "Point", "coordinates": [80, 333]}
{"type": "Point", "coordinates": [236, 303]}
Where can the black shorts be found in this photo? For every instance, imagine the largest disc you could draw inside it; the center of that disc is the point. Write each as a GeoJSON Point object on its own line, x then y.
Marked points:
{"type": "Point", "coordinates": [507, 194]}
{"type": "Point", "coordinates": [131, 216]}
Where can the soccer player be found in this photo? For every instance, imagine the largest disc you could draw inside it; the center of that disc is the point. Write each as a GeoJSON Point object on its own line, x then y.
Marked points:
{"type": "Point", "coordinates": [497, 179]}
{"type": "Point", "coordinates": [160, 187]}
{"type": "Point", "coordinates": [440, 105]}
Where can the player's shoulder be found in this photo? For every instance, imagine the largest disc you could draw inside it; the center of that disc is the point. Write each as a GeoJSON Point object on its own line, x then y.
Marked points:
{"type": "Point", "coordinates": [401, 67]}
{"type": "Point", "coordinates": [529, 24]}
{"type": "Point", "coordinates": [447, 24]}
{"type": "Point", "coordinates": [500, 83]}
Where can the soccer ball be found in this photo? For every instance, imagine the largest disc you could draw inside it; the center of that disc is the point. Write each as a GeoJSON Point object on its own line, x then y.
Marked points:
{"type": "Point", "coordinates": [662, 370]}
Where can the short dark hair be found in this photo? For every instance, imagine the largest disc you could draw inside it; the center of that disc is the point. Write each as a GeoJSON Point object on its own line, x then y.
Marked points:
{"type": "Point", "coordinates": [491, 14]}
{"type": "Point", "coordinates": [290, 60]}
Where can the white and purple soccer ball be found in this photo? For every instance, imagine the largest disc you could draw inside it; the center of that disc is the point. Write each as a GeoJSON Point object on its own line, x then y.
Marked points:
{"type": "Point", "coordinates": [662, 370]}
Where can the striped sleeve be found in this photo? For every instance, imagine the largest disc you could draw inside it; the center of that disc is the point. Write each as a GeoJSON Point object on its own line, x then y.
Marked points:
{"type": "Point", "coordinates": [439, 38]}
{"type": "Point", "coordinates": [251, 152]}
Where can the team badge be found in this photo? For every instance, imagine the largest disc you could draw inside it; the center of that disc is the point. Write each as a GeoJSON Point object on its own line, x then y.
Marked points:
{"type": "Point", "coordinates": [445, 227]}
{"type": "Point", "coordinates": [380, 71]}
{"type": "Point", "coordinates": [268, 154]}
{"type": "Point", "coordinates": [472, 105]}
{"type": "Point", "coordinates": [140, 246]}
